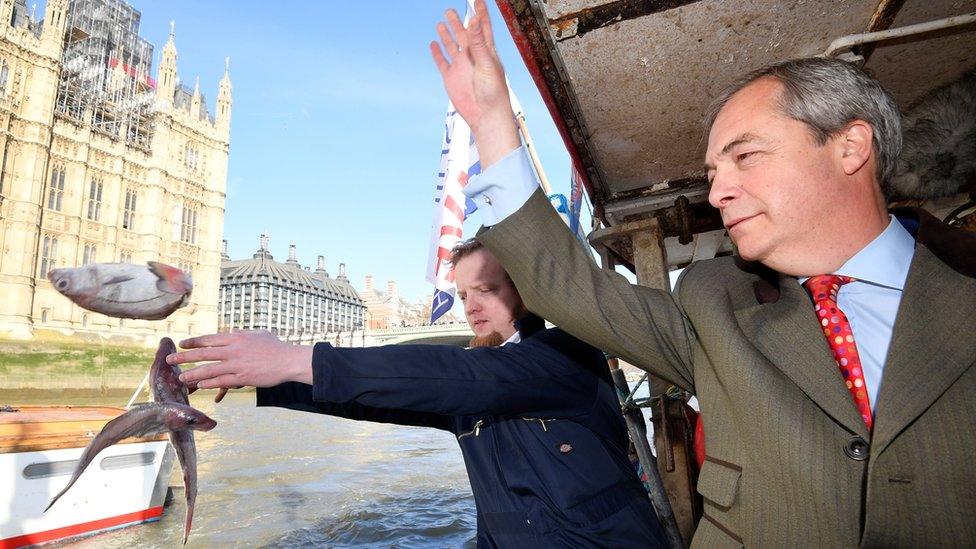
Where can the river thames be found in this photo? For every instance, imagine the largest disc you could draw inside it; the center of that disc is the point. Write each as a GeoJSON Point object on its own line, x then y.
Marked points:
{"type": "Point", "coordinates": [278, 478]}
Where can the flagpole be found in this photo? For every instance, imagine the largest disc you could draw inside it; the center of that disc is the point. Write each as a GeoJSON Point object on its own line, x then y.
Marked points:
{"type": "Point", "coordinates": [530, 146]}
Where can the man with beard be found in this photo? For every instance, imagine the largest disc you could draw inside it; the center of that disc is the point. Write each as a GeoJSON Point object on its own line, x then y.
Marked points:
{"type": "Point", "coordinates": [534, 410]}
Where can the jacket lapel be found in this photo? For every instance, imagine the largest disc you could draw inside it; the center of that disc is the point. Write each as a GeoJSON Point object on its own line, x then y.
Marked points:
{"type": "Point", "coordinates": [786, 331]}
{"type": "Point", "coordinates": [931, 346]}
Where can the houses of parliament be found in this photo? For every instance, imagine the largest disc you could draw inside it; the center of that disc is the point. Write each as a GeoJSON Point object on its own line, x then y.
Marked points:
{"type": "Point", "coordinates": [103, 159]}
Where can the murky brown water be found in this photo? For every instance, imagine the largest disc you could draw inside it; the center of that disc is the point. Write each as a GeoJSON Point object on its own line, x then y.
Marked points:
{"type": "Point", "coordinates": [278, 478]}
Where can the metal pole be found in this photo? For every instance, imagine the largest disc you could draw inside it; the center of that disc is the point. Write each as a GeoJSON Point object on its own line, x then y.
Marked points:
{"type": "Point", "coordinates": [638, 434]}
{"type": "Point", "coordinates": [530, 147]}
{"type": "Point", "coordinates": [137, 391]}
{"type": "Point", "coordinates": [846, 42]}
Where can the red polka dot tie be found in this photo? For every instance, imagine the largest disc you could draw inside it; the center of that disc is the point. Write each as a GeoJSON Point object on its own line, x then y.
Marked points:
{"type": "Point", "coordinates": [840, 338]}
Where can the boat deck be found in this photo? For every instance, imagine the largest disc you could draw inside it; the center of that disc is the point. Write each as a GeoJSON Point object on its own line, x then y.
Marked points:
{"type": "Point", "coordinates": [34, 428]}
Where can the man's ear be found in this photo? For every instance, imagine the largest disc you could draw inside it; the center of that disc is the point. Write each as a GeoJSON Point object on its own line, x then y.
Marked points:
{"type": "Point", "coordinates": [856, 145]}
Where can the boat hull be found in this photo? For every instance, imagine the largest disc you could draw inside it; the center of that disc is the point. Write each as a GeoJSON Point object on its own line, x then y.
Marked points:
{"type": "Point", "coordinates": [124, 485]}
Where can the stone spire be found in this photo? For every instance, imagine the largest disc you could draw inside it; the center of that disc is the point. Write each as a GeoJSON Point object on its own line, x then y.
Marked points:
{"type": "Point", "coordinates": [224, 100]}
{"type": "Point", "coordinates": [292, 256]}
{"type": "Point", "coordinates": [166, 79]}
{"type": "Point", "coordinates": [196, 104]}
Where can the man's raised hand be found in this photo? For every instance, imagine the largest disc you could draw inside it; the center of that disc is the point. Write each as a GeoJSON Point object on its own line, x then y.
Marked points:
{"type": "Point", "coordinates": [475, 81]}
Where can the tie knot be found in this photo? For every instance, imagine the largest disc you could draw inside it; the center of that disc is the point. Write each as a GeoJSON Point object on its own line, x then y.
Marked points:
{"type": "Point", "coordinates": [825, 287]}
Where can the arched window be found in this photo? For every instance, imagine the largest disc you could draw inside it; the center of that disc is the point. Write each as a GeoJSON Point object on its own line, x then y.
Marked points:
{"type": "Point", "coordinates": [95, 199]}
{"type": "Point", "coordinates": [129, 212]}
{"type": "Point", "coordinates": [4, 74]}
{"type": "Point", "coordinates": [49, 256]}
{"type": "Point", "coordinates": [188, 227]}
{"type": "Point", "coordinates": [191, 156]}
{"type": "Point", "coordinates": [89, 254]}
{"type": "Point", "coordinates": [55, 191]}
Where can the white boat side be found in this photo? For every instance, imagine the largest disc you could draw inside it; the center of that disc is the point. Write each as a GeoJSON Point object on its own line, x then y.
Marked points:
{"type": "Point", "coordinates": [125, 484]}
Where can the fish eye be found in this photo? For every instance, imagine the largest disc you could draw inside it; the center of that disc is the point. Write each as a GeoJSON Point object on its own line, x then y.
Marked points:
{"type": "Point", "coordinates": [191, 420]}
{"type": "Point", "coordinates": [61, 284]}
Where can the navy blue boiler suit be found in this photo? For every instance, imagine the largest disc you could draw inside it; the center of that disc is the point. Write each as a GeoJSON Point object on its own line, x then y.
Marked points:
{"type": "Point", "coordinates": [538, 423]}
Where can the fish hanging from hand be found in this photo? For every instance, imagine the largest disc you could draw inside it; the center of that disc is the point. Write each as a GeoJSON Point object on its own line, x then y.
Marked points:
{"type": "Point", "coordinates": [144, 420]}
{"type": "Point", "coordinates": [171, 412]}
{"type": "Point", "coordinates": [164, 379]}
{"type": "Point", "coordinates": [124, 290]}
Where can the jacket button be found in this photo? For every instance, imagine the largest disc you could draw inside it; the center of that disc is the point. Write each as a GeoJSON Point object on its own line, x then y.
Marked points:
{"type": "Point", "coordinates": [857, 449]}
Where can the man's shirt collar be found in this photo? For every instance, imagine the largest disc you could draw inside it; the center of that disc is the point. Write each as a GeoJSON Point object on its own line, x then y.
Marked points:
{"type": "Point", "coordinates": [885, 261]}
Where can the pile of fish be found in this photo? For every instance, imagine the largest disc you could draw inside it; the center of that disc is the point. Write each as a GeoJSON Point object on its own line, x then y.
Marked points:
{"type": "Point", "coordinates": [124, 290]}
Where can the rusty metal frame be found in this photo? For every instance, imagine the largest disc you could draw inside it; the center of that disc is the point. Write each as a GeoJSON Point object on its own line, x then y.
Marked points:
{"type": "Point", "coordinates": [533, 36]}
{"type": "Point", "coordinates": [529, 28]}
{"type": "Point", "coordinates": [585, 20]}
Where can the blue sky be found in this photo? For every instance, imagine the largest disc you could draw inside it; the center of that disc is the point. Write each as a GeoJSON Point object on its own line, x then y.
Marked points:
{"type": "Point", "coordinates": [337, 123]}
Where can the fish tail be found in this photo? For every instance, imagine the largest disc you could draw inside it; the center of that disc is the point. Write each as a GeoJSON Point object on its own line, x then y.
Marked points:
{"type": "Point", "coordinates": [188, 520]}
{"type": "Point", "coordinates": [57, 497]}
{"type": "Point", "coordinates": [86, 458]}
{"type": "Point", "coordinates": [186, 451]}
{"type": "Point", "coordinates": [171, 279]}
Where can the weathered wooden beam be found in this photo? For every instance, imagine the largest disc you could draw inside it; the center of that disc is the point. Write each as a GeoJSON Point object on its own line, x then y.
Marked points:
{"type": "Point", "coordinates": [673, 480]}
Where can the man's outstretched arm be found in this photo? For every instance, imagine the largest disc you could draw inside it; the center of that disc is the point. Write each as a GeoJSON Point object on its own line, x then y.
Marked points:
{"type": "Point", "coordinates": [556, 279]}
{"type": "Point", "coordinates": [537, 376]}
{"type": "Point", "coordinates": [283, 375]}
{"type": "Point", "coordinates": [298, 396]}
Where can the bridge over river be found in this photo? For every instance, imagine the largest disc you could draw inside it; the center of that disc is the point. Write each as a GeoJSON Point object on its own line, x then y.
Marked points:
{"type": "Point", "coordinates": [440, 334]}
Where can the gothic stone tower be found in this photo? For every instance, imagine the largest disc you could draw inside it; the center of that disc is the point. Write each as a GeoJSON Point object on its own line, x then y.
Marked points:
{"type": "Point", "coordinates": [103, 164]}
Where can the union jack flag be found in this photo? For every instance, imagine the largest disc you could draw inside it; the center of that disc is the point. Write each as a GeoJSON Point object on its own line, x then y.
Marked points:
{"type": "Point", "coordinates": [459, 161]}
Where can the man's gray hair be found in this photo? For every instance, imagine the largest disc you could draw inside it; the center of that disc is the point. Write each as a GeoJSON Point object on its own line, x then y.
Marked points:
{"type": "Point", "coordinates": [826, 95]}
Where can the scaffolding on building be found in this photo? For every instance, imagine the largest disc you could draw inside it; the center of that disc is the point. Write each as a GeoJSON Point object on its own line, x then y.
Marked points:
{"type": "Point", "coordinates": [106, 70]}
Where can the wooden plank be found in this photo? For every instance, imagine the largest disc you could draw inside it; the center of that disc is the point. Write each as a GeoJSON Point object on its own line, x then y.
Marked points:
{"type": "Point", "coordinates": [35, 428]}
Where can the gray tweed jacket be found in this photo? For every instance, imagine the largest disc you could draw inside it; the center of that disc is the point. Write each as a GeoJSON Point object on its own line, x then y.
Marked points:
{"type": "Point", "coordinates": [790, 462]}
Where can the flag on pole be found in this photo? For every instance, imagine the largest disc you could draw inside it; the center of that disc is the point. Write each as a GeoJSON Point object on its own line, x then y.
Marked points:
{"type": "Point", "coordinates": [459, 161]}
{"type": "Point", "coordinates": [562, 207]}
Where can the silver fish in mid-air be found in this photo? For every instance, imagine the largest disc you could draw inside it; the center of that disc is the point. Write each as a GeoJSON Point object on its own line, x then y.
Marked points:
{"type": "Point", "coordinates": [167, 387]}
{"type": "Point", "coordinates": [143, 420]}
{"type": "Point", "coordinates": [124, 290]}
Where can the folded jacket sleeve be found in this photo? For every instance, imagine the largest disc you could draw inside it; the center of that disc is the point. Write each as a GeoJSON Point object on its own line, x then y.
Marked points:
{"type": "Point", "coordinates": [543, 375]}
{"type": "Point", "coordinates": [298, 396]}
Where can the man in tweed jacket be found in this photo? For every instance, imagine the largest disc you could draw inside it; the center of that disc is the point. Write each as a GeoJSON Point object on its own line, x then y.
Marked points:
{"type": "Point", "coordinates": [798, 157]}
